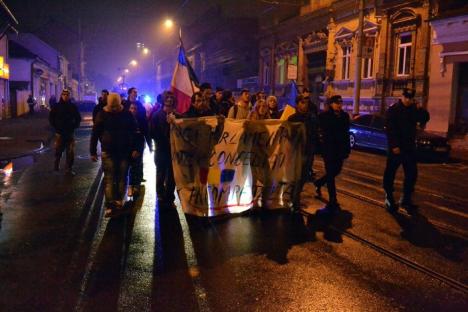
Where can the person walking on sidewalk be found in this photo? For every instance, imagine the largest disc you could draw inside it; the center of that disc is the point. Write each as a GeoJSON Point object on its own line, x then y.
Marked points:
{"type": "Point", "coordinates": [160, 133]}
{"type": "Point", "coordinates": [65, 118]}
{"type": "Point", "coordinates": [116, 129]}
{"type": "Point", "coordinates": [335, 148]}
{"type": "Point", "coordinates": [31, 103]}
{"type": "Point", "coordinates": [402, 121]}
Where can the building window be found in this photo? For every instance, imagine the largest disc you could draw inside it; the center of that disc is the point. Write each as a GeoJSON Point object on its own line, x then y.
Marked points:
{"type": "Point", "coordinates": [280, 71]}
{"type": "Point", "coordinates": [266, 74]}
{"type": "Point", "coordinates": [404, 54]}
{"type": "Point", "coordinates": [367, 67]}
{"type": "Point", "coordinates": [346, 63]}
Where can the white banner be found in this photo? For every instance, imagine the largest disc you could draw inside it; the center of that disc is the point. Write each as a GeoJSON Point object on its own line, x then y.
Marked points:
{"type": "Point", "coordinates": [229, 168]}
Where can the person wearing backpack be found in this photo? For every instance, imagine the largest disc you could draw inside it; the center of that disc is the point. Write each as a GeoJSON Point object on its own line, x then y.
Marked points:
{"type": "Point", "coordinates": [241, 109]}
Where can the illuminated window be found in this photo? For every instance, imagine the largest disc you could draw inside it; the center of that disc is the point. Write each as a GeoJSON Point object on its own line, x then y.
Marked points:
{"type": "Point", "coordinates": [346, 63]}
{"type": "Point", "coordinates": [404, 54]}
{"type": "Point", "coordinates": [367, 66]}
{"type": "Point", "coordinates": [280, 71]}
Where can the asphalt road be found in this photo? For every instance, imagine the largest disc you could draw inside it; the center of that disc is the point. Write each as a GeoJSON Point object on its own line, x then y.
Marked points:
{"type": "Point", "coordinates": [58, 253]}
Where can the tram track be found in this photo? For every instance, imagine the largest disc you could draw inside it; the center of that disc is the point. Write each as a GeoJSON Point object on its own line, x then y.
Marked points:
{"type": "Point", "coordinates": [460, 286]}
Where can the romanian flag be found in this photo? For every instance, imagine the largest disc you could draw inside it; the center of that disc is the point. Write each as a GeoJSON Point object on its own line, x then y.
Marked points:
{"type": "Point", "coordinates": [184, 82]}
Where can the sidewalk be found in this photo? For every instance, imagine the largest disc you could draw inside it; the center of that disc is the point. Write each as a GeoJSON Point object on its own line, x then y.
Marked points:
{"type": "Point", "coordinates": [22, 135]}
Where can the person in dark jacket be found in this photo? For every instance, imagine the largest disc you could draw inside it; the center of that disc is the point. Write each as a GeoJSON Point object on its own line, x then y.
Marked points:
{"type": "Point", "coordinates": [227, 102]}
{"type": "Point", "coordinates": [116, 129]}
{"type": "Point", "coordinates": [335, 148]}
{"type": "Point", "coordinates": [65, 118]}
{"type": "Point", "coordinates": [101, 103]}
{"type": "Point", "coordinates": [302, 115]}
{"type": "Point", "coordinates": [142, 123]}
{"type": "Point", "coordinates": [31, 103]}
{"type": "Point", "coordinates": [199, 107]}
{"type": "Point", "coordinates": [136, 163]}
{"type": "Point", "coordinates": [160, 133]}
{"type": "Point", "coordinates": [402, 121]}
{"type": "Point", "coordinates": [273, 107]}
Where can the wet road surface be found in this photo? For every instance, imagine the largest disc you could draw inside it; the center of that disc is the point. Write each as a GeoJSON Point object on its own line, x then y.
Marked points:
{"type": "Point", "coordinates": [58, 253]}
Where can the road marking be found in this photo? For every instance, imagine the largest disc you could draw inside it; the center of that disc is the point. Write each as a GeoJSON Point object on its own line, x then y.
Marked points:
{"type": "Point", "coordinates": [192, 263]}
{"type": "Point", "coordinates": [85, 281]}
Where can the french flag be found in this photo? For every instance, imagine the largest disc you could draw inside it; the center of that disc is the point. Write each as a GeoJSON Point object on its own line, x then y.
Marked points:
{"type": "Point", "coordinates": [184, 82]}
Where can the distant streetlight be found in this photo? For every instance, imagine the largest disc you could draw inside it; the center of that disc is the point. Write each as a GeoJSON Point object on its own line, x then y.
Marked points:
{"type": "Point", "coordinates": [133, 63]}
{"type": "Point", "coordinates": [126, 70]}
{"type": "Point", "coordinates": [168, 23]}
{"type": "Point", "coordinates": [119, 79]}
{"type": "Point", "coordinates": [146, 51]}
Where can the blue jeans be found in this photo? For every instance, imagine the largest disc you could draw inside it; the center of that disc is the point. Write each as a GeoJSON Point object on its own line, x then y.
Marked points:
{"type": "Point", "coordinates": [115, 168]}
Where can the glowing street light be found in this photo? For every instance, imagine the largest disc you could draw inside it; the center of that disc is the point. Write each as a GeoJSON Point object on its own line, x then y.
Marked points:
{"type": "Point", "coordinates": [146, 51]}
{"type": "Point", "coordinates": [119, 79]}
{"type": "Point", "coordinates": [133, 63]}
{"type": "Point", "coordinates": [126, 70]}
{"type": "Point", "coordinates": [168, 23]}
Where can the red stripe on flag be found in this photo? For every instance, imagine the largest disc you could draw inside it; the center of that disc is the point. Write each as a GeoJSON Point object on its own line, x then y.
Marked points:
{"type": "Point", "coordinates": [183, 100]}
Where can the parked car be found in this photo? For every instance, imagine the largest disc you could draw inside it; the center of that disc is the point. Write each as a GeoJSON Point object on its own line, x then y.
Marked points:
{"type": "Point", "coordinates": [369, 131]}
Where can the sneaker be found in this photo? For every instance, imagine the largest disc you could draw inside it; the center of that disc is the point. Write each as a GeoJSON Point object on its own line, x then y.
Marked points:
{"type": "Point", "coordinates": [390, 204]}
{"type": "Point", "coordinates": [410, 207]}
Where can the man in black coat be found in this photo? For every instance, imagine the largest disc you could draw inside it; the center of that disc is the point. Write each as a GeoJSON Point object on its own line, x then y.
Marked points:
{"type": "Point", "coordinates": [65, 118]}
{"type": "Point", "coordinates": [302, 115]}
{"type": "Point", "coordinates": [160, 133]}
{"type": "Point", "coordinates": [402, 120]}
{"type": "Point", "coordinates": [335, 148]}
{"type": "Point", "coordinates": [101, 103]}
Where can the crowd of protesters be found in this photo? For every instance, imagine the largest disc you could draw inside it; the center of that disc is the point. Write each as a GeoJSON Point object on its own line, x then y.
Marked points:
{"type": "Point", "coordinates": [124, 127]}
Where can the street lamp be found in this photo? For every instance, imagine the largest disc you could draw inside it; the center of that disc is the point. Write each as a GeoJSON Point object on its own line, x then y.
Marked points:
{"type": "Point", "coordinates": [133, 63]}
{"type": "Point", "coordinates": [126, 70]}
{"type": "Point", "coordinates": [146, 51]}
{"type": "Point", "coordinates": [168, 23]}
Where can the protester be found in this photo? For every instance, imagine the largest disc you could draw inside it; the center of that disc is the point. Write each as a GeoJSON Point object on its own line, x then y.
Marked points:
{"type": "Point", "coordinates": [101, 103]}
{"type": "Point", "coordinates": [241, 109]}
{"type": "Point", "coordinates": [302, 115]}
{"type": "Point", "coordinates": [273, 108]}
{"type": "Point", "coordinates": [402, 121]}
{"type": "Point", "coordinates": [206, 91]}
{"type": "Point", "coordinates": [116, 129]}
{"type": "Point", "coordinates": [260, 111]}
{"type": "Point", "coordinates": [199, 107]}
{"type": "Point", "coordinates": [313, 110]}
{"type": "Point", "coordinates": [227, 102]}
{"type": "Point", "coordinates": [160, 133]}
{"type": "Point", "coordinates": [65, 118]}
{"type": "Point", "coordinates": [136, 163]}
{"type": "Point", "coordinates": [52, 101]}
{"type": "Point", "coordinates": [31, 103]}
{"type": "Point", "coordinates": [142, 123]}
{"type": "Point", "coordinates": [335, 148]}
{"type": "Point", "coordinates": [216, 100]}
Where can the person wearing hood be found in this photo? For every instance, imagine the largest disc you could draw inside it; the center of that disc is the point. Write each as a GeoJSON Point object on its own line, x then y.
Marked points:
{"type": "Point", "coordinates": [116, 129]}
{"type": "Point", "coordinates": [335, 148]}
{"type": "Point", "coordinates": [65, 118]}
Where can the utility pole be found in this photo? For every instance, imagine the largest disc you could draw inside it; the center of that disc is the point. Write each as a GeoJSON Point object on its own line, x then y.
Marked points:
{"type": "Point", "coordinates": [357, 78]}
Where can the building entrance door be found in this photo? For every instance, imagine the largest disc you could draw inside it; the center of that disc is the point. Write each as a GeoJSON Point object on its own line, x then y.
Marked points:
{"type": "Point", "coordinates": [316, 63]}
{"type": "Point", "coordinates": [461, 113]}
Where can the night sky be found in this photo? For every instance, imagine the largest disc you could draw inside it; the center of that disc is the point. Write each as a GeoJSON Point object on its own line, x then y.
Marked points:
{"type": "Point", "coordinates": [111, 28]}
